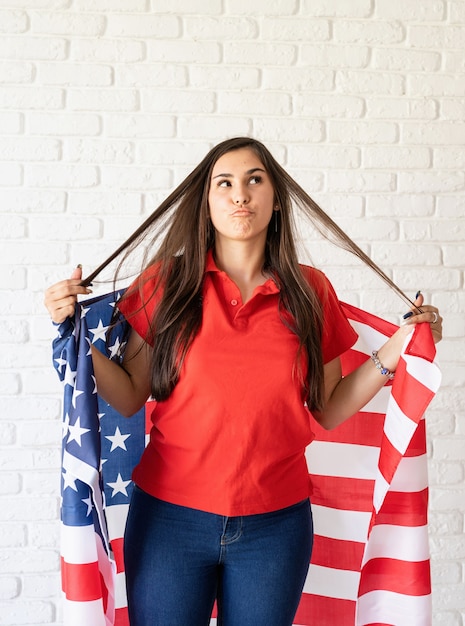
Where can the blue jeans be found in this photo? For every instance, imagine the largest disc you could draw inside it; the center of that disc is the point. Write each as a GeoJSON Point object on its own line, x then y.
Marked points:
{"type": "Point", "coordinates": [179, 560]}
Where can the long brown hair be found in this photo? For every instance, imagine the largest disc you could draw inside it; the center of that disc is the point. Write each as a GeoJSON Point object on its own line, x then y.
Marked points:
{"type": "Point", "coordinates": [185, 233]}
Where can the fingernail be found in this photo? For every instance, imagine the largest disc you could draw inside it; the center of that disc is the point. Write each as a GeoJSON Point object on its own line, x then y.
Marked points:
{"type": "Point", "coordinates": [407, 315]}
{"type": "Point", "coordinates": [417, 294]}
{"type": "Point", "coordinates": [79, 266]}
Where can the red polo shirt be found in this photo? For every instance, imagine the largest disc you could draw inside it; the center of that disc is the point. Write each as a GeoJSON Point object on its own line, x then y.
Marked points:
{"type": "Point", "coordinates": [231, 437]}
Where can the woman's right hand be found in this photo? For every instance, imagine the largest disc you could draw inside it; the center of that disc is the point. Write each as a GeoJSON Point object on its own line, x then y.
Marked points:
{"type": "Point", "coordinates": [60, 299]}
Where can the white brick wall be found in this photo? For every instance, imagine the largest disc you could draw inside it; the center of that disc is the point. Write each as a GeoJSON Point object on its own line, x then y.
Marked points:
{"type": "Point", "coordinates": [106, 104]}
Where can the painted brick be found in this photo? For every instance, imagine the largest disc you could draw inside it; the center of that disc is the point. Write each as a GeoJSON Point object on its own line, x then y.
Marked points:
{"type": "Point", "coordinates": [334, 8]}
{"type": "Point", "coordinates": [368, 32]}
{"type": "Point", "coordinates": [411, 10]}
{"type": "Point", "coordinates": [295, 29]}
{"type": "Point", "coordinates": [356, 82]}
{"type": "Point", "coordinates": [11, 123]}
{"type": "Point", "coordinates": [217, 128]}
{"type": "Point", "coordinates": [12, 277]}
{"type": "Point", "coordinates": [402, 108]}
{"type": "Point", "coordinates": [26, 614]}
{"type": "Point", "coordinates": [334, 56]}
{"type": "Point", "coordinates": [325, 156]}
{"type": "Point", "coordinates": [107, 50]}
{"type": "Point", "coordinates": [440, 37]}
{"type": "Point", "coordinates": [30, 149]}
{"type": "Point", "coordinates": [103, 100]}
{"type": "Point", "coordinates": [399, 59]}
{"type": "Point", "coordinates": [98, 151]}
{"type": "Point", "coordinates": [362, 132]}
{"type": "Point", "coordinates": [183, 51]}
{"type": "Point", "coordinates": [11, 174]}
{"type": "Point", "coordinates": [111, 5]}
{"type": "Point", "coordinates": [16, 72]}
{"type": "Point", "coordinates": [13, 21]}
{"type": "Point", "coordinates": [67, 23]}
{"type": "Point", "coordinates": [166, 101]}
{"type": "Point", "coordinates": [445, 85]}
{"type": "Point", "coordinates": [33, 252]}
{"type": "Point", "coordinates": [203, 76]}
{"type": "Point", "coordinates": [356, 182]}
{"type": "Point", "coordinates": [31, 98]}
{"type": "Point", "coordinates": [102, 203]}
{"type": "Point", "coordinates": [34, 48]}
{"type": "Point", "coordinates": [262, 7]}
{"type": "Point", "coordinates": [166, 26]}
{"type": "Point", "coordinates": [63, 175]}
{"type": "Point", "coordinates": [219, 28]}
{"type": "Point", "coordinates": [134, 178]}
{"type": "Point", "coordinates": [298, 80]}
{"type": "Point", "coordinates": [206, 7]}
{"type": "Point", "coordinates": [404, 254]}
{"type": "Point", "coordinates": [258, 54]}
{"type": "Point", "coordinates": [32, 201]}
{"type": "Point", "coordinates": [433, 181]}
{"type": "Point", "coordinates": [10, 588]}
{"type": "Point", "coordinates": [140, 125]}
{"type": "Point", "coordinates": [408, 205]}
{"type": "Point", "coordinates": [12, 226]}
{"type": "Point", "coordinates": [77, 75]}
{"type": "Point", "coordinates": [64, 123]}
{"type": "Point", "coordinates": [306, 130]}
{"type": "Point", "coordinates": [397, 157]}
{"type": "Point", "coordinates": [257, 103]}
{"type": "Point", "coordinates": [151, 75]}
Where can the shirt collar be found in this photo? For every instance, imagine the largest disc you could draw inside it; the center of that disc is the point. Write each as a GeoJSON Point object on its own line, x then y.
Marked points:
{"type": "Point", "coordinates": [268, 286]}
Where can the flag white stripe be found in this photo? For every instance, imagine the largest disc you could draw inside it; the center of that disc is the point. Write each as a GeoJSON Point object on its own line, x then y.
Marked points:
{"type": "Point", "coordinates": [331, 582]}
{"type": "Point", "coordinates": [399, 428]}
{"type": "Point", "coordinates": [349, 460]}
{"type": "Point", "coordinates": [79, 613]}
{"type": "Point", "coordinates": [369, 339]}
{"type": "Point", "coordinates": [78, 544]}
{"type": "Point", "coordinates": [428, 373]}
{"type": "Point", "coordinates": [116, 520]}
{"type": "Point", "coordinates": [405, 543]}
{"type": "Point", "coordinates": [340, 524]}
{"type": "Point", "coordinates": [120, 591]}
{"type": "Point", "coordinates": [388, 607]}
{"type": "Point", "coordinates": [411, 475]}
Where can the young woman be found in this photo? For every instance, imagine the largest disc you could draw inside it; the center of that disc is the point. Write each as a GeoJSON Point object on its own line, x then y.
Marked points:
{"type": "Point", "coordinates": [236, 342]}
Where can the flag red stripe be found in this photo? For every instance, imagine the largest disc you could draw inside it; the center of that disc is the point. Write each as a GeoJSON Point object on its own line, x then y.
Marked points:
{"type": "Point", "coordinates": [81, 582]}
{"type": "Point", "coordinates": [364, 428]}
{"type": "Point", "coordinates": [350, 494]}
{"type": "Point", "coordinates": [404, 509]}
{"type": "Point", "coordinates": [117, 547]}
{"type": "Point", "coordinates": [412, 395]}
{"type": "Point", "coordinates": [405, 577]}
{"type": "Point", "coordinates": [121, 617]}
{"type": "Point", "coordinates": [328, 552]}
{"type": "Point", "coordinates": [324, 611]}
{"type": "Point", "coordinates": [417, 445]}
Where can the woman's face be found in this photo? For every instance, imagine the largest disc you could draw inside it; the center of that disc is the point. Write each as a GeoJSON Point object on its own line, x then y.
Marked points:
{"type": "Point", "coordinates": [241, 197]}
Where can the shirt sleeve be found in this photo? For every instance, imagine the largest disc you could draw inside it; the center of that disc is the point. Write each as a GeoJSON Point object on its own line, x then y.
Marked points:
{"type": "Point", "coordinates": [338, 334]}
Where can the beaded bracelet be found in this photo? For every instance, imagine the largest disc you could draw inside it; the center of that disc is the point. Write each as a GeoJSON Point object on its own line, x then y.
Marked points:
{"type": "Point", "coordinates": [383, 370]}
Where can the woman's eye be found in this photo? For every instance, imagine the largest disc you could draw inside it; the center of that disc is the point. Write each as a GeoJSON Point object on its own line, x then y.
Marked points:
{"type": "Point", "coordinates": [255, 180]}
{"type": "Point", "coordinates": [224, 183]}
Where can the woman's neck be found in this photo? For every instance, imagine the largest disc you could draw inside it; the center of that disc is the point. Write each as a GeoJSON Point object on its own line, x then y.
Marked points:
{"type": "Point", "coordinates": [243, 264]}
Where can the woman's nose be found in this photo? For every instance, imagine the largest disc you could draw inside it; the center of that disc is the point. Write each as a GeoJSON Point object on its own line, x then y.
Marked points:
{"type": "Point", "coordinates": [241, 196]}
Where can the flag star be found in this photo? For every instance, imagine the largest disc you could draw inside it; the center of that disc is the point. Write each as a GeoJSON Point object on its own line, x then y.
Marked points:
{"type": "Point", "coordinates": [89, 352]}
{"type": "Point", "coordinates": [88, 502]}
{"type": "Point", "coordinates": [119, 486]}
{"type": "Point", "coordinates": [115, 348]}
{"type": "Point", "coordinates": [95, 384]}
{"type": "Point", "coordinates": [117, 440]}
{"type": "Point", "coordinates": [99, 332]}
{"type": "Point", "coordinates": [69, 481]}
{"type": "Point", "coordinates": [70, 376]}
{"type": "Point", "coordinates": [76, 432]}
{"type": "Point", "coordinates": [65, 426]}
{"type": "Point", "coordinates": [60, 364]}
{"type": "Point", "coordinates": [76, 394]}
{"type": "Point", "coordinates": [84, 311]}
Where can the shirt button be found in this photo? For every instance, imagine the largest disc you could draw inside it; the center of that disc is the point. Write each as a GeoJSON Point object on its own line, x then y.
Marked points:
{"type": "Point", "coordinates": [234, 302]}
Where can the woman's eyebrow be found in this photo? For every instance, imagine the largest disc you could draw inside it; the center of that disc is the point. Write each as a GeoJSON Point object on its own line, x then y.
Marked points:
{"type": "Point", "coordinates": [248, 172]}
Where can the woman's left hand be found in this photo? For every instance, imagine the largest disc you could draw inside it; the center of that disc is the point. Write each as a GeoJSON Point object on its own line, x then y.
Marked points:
{"type": "Point", "coordinates": [429, 315]}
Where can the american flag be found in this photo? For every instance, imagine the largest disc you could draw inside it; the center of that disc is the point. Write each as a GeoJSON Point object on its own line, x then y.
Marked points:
{"type": "Point", "coordinates": [370, 563]}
